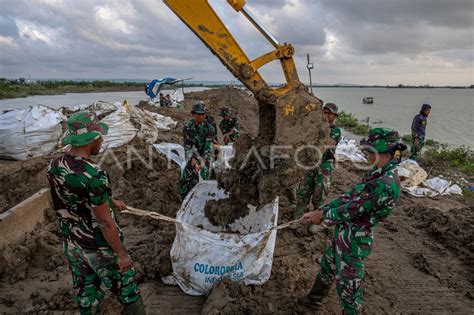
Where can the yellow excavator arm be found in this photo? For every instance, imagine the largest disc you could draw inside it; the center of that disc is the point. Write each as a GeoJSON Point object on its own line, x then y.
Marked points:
{"type": "Point", "coordinates": [201, 18]}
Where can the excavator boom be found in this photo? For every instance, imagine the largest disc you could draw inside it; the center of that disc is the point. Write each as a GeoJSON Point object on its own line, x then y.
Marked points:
{"type": "Point", "coordinates": [201, 18]}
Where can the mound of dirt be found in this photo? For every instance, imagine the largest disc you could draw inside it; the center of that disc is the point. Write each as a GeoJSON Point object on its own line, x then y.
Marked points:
{"type": "Point", "coordinates": [454, 229]}
{"type": "Point", "coordinates": [21, 179]}
{"type": "Point", "coordinates": [40, 249]}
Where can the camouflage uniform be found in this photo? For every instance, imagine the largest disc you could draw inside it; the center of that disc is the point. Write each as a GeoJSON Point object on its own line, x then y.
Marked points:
{"type": "Point", "coordinates": [198, 144]}
{"type": "Point", "coordinates": [77, 185]}
{"type": "Point", "coordinates": [418, 131]}
{"type": "Point", "coordinates": [355, 214]}
{"type": "Point", "coordinates": [316, 183]}
{"type": "Point", "coordinates": [229, 126]}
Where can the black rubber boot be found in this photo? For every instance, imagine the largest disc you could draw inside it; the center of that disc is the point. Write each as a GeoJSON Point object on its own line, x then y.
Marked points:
{"type": "Point", "coordinates": [315, 297]}
{"type": "Point", "coordinates": [136, 308]}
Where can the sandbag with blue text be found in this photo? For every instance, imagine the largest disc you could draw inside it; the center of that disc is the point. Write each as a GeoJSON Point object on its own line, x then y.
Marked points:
{"type": "Point", "coordinates": [204, 254]}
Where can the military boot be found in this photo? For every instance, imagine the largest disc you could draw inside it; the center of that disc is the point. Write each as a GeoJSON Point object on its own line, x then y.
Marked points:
{"type": "Point", "coordinates": [315, 297]}
{"type": "Point", "coordinates": [135, 308]}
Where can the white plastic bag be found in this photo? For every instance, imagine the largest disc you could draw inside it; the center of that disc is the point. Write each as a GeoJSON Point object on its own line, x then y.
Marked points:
{"type": "Point", "coordinates": [205, 255]}
{"type": "Point", "coordinates": [31, 132]}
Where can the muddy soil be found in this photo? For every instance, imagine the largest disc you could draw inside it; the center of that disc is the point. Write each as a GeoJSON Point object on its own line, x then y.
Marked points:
{"type": "Point", "coordinates": [421, 262]}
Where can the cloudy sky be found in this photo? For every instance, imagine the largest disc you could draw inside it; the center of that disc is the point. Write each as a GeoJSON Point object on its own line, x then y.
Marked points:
{"type": "Point", "coordinates": [350, 41]}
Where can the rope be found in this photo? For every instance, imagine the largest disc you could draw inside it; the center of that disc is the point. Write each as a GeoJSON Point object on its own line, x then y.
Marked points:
{"type": "Point", "coordinates": [157, 216]}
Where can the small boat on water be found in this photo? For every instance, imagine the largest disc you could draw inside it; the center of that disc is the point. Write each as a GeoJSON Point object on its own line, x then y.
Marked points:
{"type": "Point", "coordinates": [368, 100]}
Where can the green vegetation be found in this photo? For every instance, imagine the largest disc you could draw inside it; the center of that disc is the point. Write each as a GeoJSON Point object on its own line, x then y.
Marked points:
{"type": "Point", "coordinates": [349, 122]}
{"type": "Point", "coordinates": [22, 88]}
{"type": "Point", "coordinates": [442, 157]}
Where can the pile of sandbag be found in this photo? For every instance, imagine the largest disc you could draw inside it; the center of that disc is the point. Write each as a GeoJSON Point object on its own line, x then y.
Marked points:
{"type": "Point", "coordinates": [414, 181]}
{"type": "Point", "coordinates": [38, 130]}
{"type": "Point", "coordinates": [31, 132]}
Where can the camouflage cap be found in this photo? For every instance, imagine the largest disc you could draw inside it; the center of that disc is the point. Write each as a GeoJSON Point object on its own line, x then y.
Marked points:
{"type": "Point", "coordinates": [83, 128]}
{"type": "Point", "coordinates": [332, 108]}
{"type": "Point", "coordinates": [199, 109]}
{"type": "Point", "coordinates": [225, 111]}
{"type": "Point", "coordinates": [381, 140]}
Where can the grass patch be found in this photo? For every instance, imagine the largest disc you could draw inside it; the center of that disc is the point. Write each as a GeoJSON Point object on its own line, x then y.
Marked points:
{"type": "Point", "coordinates": [22, 88]}
{"type": "Point", "coordinates": [349, 122]}
{"type": "Point", "coordinates": [440, 156]}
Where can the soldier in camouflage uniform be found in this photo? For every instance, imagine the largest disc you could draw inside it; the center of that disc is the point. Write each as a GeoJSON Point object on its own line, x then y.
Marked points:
{"type": "Point", "coordinates": [316, 183]}
{"type": "Point", "coordinates": [229, 126]}
{"type": "Point", "coordinates": [418, 131]}
{"type": "Point", "coordinates": [198, 146]}
{"type": "Point", "coordinates": [355, 214]}
{"type": "Point", "coordinates": [92, 240]}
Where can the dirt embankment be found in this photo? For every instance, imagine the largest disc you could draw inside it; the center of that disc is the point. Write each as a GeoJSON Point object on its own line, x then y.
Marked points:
{"type": "Point", "coordinates": [421, 262]}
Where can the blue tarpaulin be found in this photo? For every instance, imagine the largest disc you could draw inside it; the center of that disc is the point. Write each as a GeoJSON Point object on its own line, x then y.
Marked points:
{"type": "Point", "coordinates": [153, 88]}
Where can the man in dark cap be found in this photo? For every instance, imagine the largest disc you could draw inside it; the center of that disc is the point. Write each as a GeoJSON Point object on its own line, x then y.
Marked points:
{"type": "Point", "coordinates": [198, 137]}
{"type": "Point", "coordinates": [91, 238]}
{"type": "Point", "coordinates": [355, 214]}
{"type": "Point", "coordinates": [229, 126]}
{"type": "Point", "coordinates": [418, 131]}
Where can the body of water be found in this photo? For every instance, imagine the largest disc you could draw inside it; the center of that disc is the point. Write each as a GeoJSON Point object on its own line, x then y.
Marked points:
{"type": "Point", "coordinates": [451, 120]}
{"type": "Point", "coordinates": [74, 99]}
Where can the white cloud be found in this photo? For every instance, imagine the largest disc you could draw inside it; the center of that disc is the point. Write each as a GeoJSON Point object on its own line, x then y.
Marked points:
{"type": "Point", "coordinates": [7, 41]}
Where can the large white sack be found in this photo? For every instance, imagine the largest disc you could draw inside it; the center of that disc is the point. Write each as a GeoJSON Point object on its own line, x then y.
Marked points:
{"type": "Point", "coordinates": [177, 98]}
{"type": "Point", "coordinates": [348, 150]}
{"type": "Point", "coordinates": [202, 256]}
{"type": "Point", "coordinates": [161, 121]}
{"type": "Point", "coordinates": [31, 132]}
{"type": "Point", "coordinates": [121, 128]}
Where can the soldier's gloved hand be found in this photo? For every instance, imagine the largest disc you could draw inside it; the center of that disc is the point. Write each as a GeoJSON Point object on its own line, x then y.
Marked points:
{"type": "Point", "coordinates": [124, 262]}
{"type": "Point", "coordinates": [313, 217]}
{"type": "Point", "coordinates": [119, 204]}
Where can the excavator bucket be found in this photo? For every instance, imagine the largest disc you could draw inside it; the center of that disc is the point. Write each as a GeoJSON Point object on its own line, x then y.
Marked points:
{"type": "Point", "coordinates": [291, 122]}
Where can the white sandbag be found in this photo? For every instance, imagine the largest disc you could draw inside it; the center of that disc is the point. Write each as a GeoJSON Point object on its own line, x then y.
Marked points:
{"type": "Point", "coordinates": [413, 181]}
{"type": "Point", "coordinates": [161, 121]}
{"type": "Point", "coordinates": [177, 98]}
{"type": "Point", "coordinates": [411, 174]}
{"type": "Point", "coordinates": [173, 151]}
{"type": "Point", "coordinates": [31, 132]}
{"type": "Point", "coordinates": [121, 128]}
{"type": "Point", "coordinates": [204, 254]}
{"type": "Point", "coordinates": [348, 150]}
{"type": "Point", "coordinates": [226, 152]}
